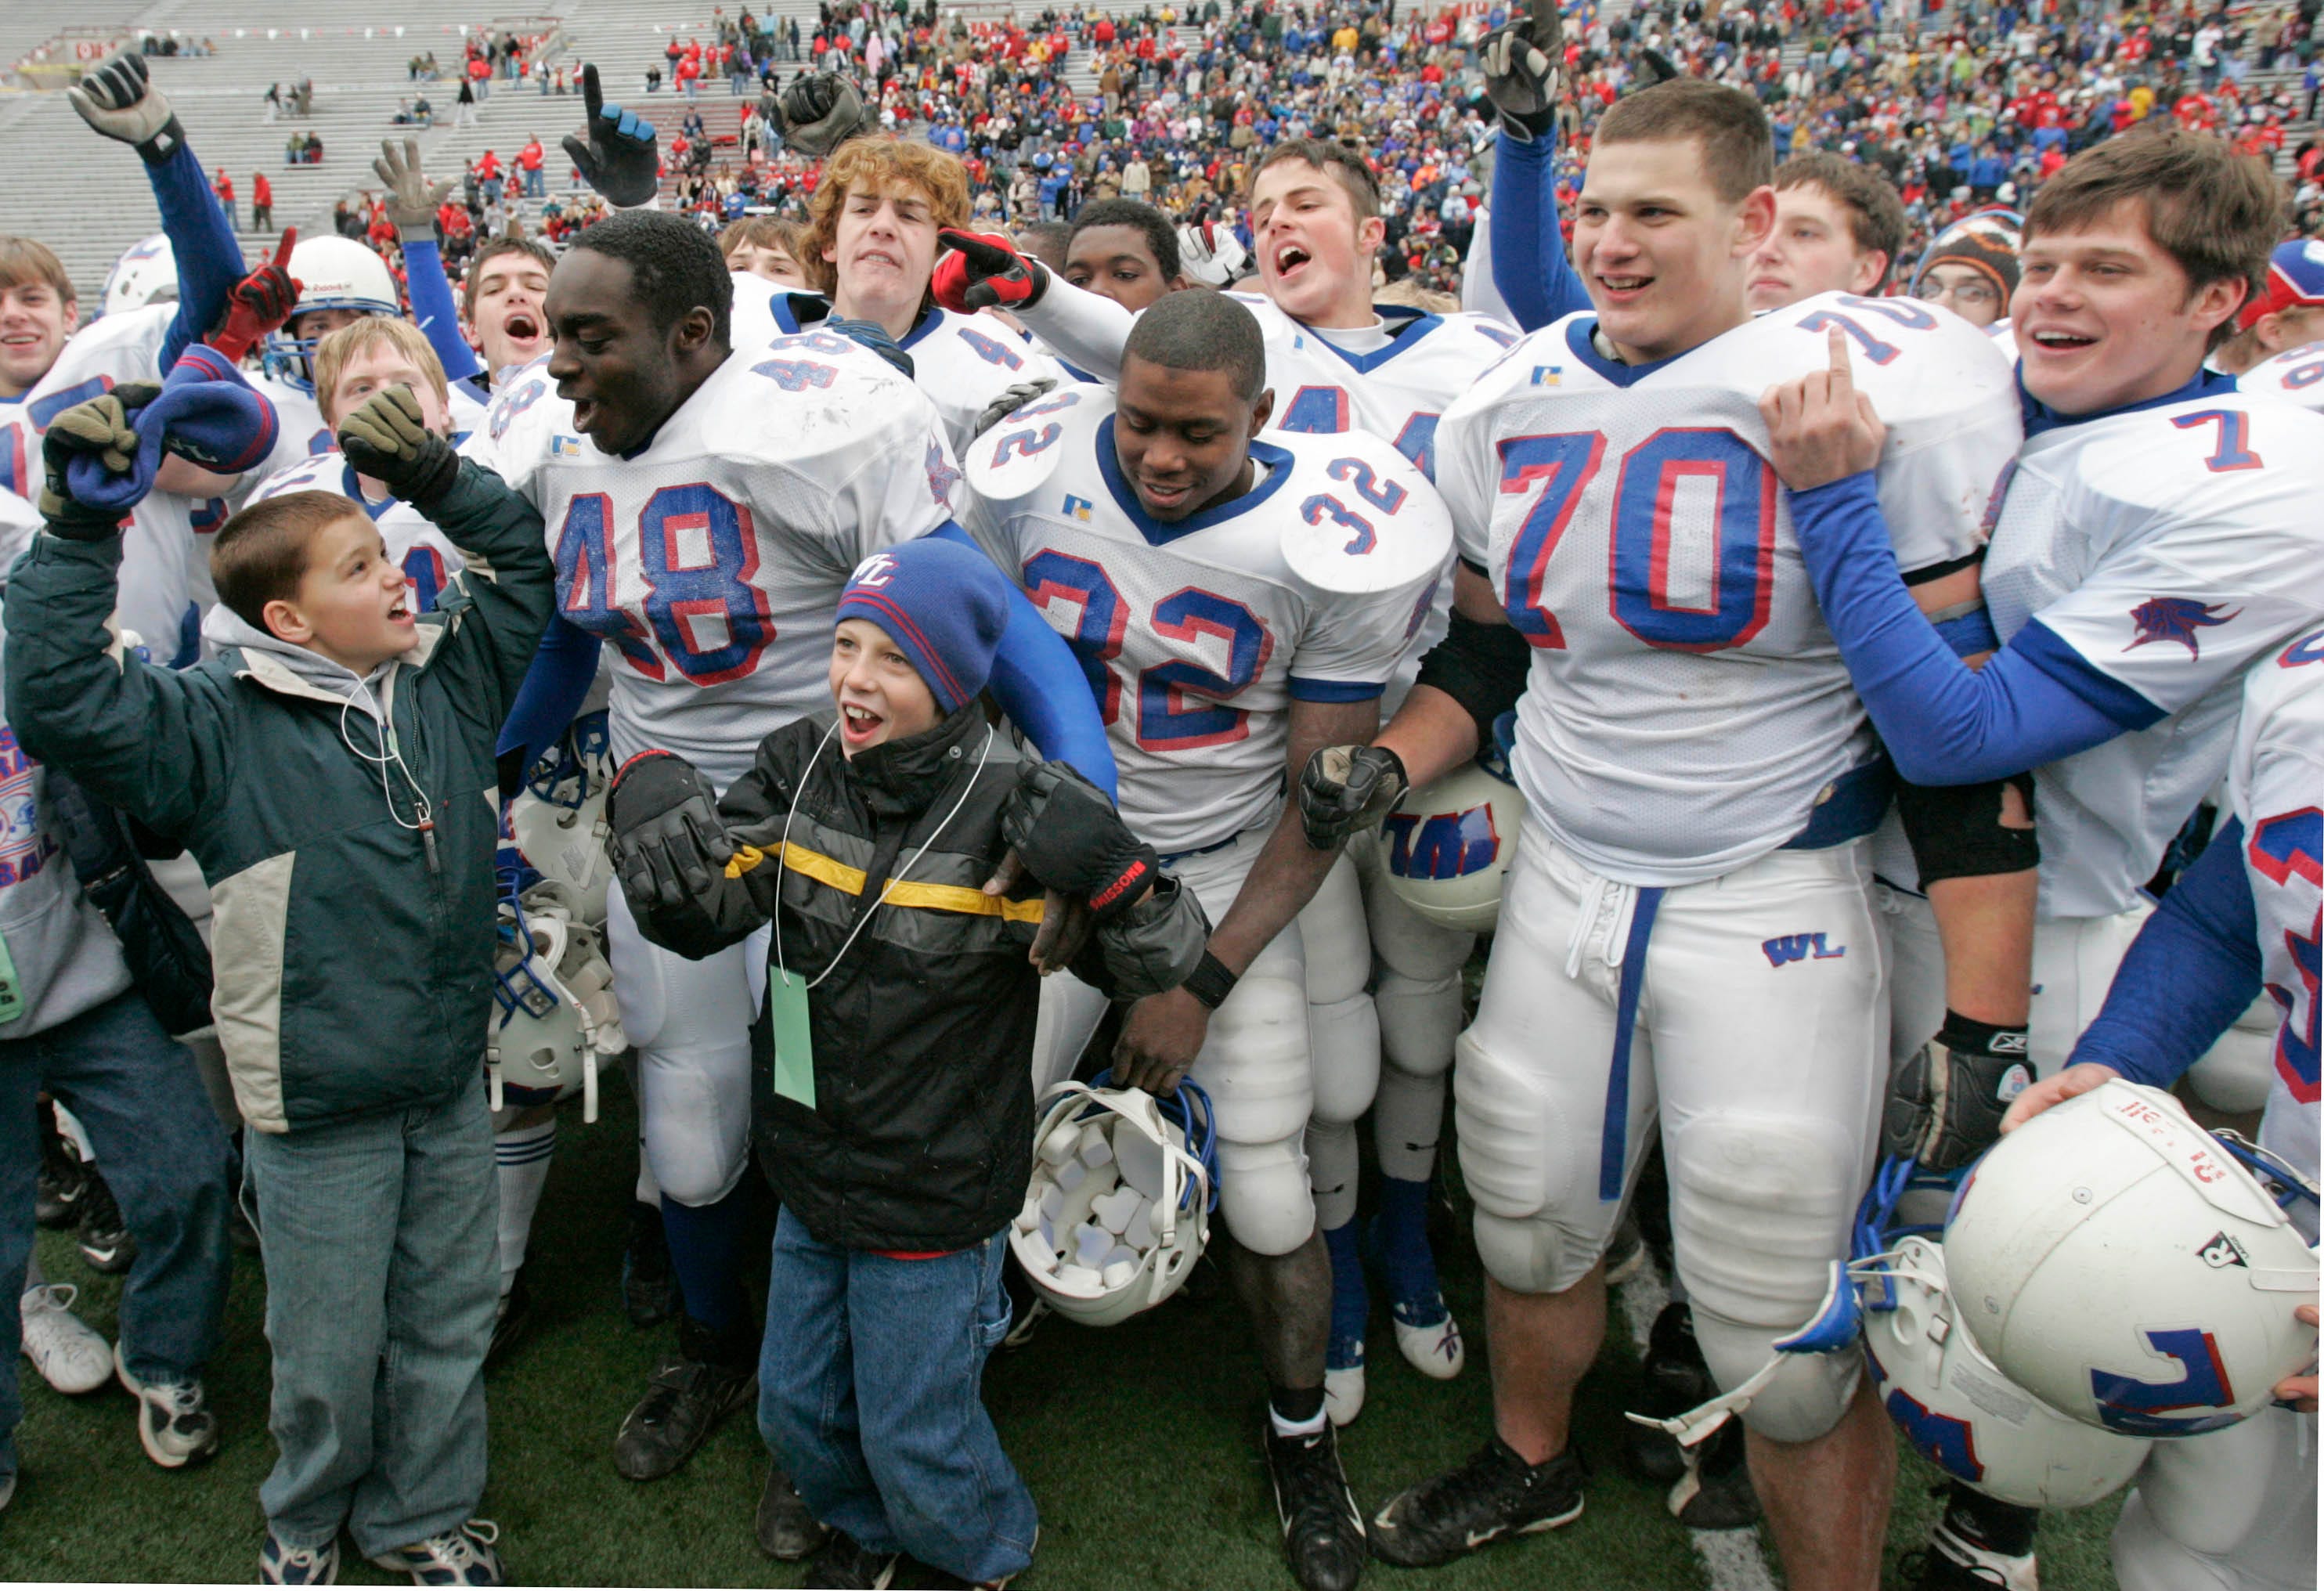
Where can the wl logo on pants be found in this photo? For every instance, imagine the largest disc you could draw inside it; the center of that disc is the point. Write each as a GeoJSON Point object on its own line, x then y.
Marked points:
{"type": "Point", "coordinates": [1787, 947]}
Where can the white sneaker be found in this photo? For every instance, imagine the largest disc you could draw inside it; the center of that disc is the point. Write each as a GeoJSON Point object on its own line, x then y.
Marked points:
{"type": "Point", "coordinates": [1435, 1350]}
{"type": "Point", "coordinates": [68, 1352]}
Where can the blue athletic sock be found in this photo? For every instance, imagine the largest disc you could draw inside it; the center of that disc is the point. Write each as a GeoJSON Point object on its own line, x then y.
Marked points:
{"type": "Point", "coordinates": [1351, 1304]}
{"type": "Point", "coordinates": [1401, 1234]}
{"type": "Point", "coordinates": [705, 1246]}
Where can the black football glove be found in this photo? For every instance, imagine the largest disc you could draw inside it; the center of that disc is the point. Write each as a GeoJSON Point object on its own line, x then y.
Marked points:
{"type": "Point", "coordinates": [99, 427]}
{"type": "Point", "coordinates": [818, 112]}
{"type": "Point", "coordinates": [387, 439]}
{"type": "Point", "coordinates": [616, 151]}
{"type": "Point", "coordinates": [1010, 400]}
{"type": "Point", "coordinates": [668, 841]}
{"type": "Point", "coordinates": [1344, 788]}
{"type": "Point", "coordinates": [1945, 1105]}
{"type": "Point", "coordinates": [1521, 62]}
{"type": "Point", "coordinates": [119, 100]}
{"type": "Point", "coordinates": [983, 271]}
{"type": "Point", "coordinates": [1072, 840]}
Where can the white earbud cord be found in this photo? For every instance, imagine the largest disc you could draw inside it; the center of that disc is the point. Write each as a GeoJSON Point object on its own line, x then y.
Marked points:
{"type": "Point", "coordinates": [893, 879]}
{"type": "Point", "coordinates": [426, 827]}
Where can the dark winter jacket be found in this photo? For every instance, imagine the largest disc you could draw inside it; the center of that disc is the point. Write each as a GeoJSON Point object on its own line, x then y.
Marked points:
{"type": "Point", "coordinates": [920, 1139]}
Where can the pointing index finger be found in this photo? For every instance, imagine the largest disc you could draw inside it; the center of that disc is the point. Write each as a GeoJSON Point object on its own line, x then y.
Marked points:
{"type": "Point", "coordinates": [593, 97]}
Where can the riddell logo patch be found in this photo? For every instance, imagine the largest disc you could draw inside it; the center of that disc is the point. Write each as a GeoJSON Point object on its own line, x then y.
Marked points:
{"type": "Point", "coordinates": [2222, 1251]}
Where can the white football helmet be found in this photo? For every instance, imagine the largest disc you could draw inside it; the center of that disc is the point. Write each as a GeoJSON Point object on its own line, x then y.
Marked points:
{"type": "Point", "coordinates": [146, 274]}
{"type": "Point", "coordinates": [2120, 1263]}
{"type": "Point", "coordinates": [1963, 1414]}
{"type": "Point", "coordinates": [1120, 1205]}
{"type": "Point", "coordinates": [332, 273]}
{"type": "Point", "coordinates": [559, 819]}
{"type": "Point", "coordinates": [555, 1020]}
{"type": "Point", "coordinates": [1446, 846]}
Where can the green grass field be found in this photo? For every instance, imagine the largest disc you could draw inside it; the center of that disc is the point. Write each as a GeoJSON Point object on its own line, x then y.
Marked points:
{"type": "Point", "coordinates": [1138, 1442]}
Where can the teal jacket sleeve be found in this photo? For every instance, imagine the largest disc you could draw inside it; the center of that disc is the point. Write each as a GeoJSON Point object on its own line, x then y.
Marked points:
{"type": "Point", "coordinates": [507, 592]}
{"type": "Point", "coordinates": [155, 743]}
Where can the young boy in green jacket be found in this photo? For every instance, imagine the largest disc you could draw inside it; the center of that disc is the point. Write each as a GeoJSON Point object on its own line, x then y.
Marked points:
{"type": "Point", "coordinates": [331, 768]}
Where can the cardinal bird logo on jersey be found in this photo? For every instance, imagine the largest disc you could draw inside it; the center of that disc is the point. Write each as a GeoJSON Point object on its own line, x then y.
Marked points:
{"type": "Point", "coordinates": [942, 477]}
{"type": "Point", "coordinates": [2175, 618]}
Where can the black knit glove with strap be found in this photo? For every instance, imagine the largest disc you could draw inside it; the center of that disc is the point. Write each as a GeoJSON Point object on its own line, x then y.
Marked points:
{"type": "Point", "coordinates": [1072, 840]}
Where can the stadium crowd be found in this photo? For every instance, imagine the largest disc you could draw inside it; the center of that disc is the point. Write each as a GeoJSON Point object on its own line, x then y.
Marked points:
{"type": "Point", "coordinates": [829, 699]}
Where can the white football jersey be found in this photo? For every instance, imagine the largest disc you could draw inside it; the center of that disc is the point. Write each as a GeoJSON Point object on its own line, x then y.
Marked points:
{"type": "Point", "coordinates": [2295, 375]}
{"type": "Point", "coordinates": [426, 557]}
{"type": "Point", "coordinates": [1398, 391]}
{"type": "Point", "coordinates": [1687, 708]}
{"type": "Point", "coordinates": [2275, 785]}
{"type": "Point", "coordinates": [962, 362]}
{"type": "Point", "coordinates": [1198, 635]}
{"type": "Point", "coordinates": [165, 551]}
{"type": "Point", "coordinates": [712, 559]}
{"type": "Point", "coordinates": [2167, 546]}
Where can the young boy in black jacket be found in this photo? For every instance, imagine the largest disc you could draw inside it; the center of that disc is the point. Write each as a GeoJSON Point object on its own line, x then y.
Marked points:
{"type": "Point", "coordinates": [896, 1108]}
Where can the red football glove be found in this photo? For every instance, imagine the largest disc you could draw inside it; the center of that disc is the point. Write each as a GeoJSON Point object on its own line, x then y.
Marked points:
{"type": "Point", "coordinates": [983, 271]}
{"type": "Point", "coordinates": [258, 304]}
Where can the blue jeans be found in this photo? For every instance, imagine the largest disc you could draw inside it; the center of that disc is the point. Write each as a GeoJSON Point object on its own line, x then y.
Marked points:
{"type": "Point", "coordinates": [166, 1158]}
{"type": "Point", "coordinates": [383, 1269]}
{"type": "Point", "coordinates": [535, 179]}
{"type": "Point", "coordinates": [870, 1395]}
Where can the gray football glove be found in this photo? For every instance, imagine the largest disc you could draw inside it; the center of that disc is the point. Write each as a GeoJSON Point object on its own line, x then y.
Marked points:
{"type": "Point", "coordinates": [1344, 788]}
{"type": "Point", "coordinates": [1521, 62]}
{"type": "Point", "coordinates": [1009, 401]}
{"type": "Point", "coordinates": [819, 113]}
{"type": "Point", "coordinates": [412, 200]}
{"type": "Point", "coordinates": [1945, 1105]}
{"type": "Point", "coordinates": [118, 99]}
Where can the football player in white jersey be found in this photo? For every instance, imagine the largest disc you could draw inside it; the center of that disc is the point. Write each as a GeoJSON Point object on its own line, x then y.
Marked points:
{"type": "Point", "coordinates": [1335, 362]}
{"type": "Point", "coordinates": [706, 507]}
{"type": "Point", "coordinates": [2237, 1509]}
{"type": "Point", "coordinates": [2295, 375]}
{"type": "Point", "coordinates": [1238, 603]}
{"type": "Point", "coordinates": [2155, 535]}
{"type": "Point", "coordinates": [1690, 911]}
{"type": "Point", "coordinates": [872, 241]}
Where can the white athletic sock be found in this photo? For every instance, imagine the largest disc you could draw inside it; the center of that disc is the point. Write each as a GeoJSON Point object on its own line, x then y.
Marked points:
{"type": "Point", "coordinates": [1293, 1428]}
{"type": "Point", "coordinates": [521, 1156]}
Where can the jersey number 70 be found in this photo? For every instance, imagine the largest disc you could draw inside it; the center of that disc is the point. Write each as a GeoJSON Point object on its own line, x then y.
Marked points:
{"type": "Point", "coordinates": [697, 552]}
{"type": "Point", "coordinates": [1558, 468]}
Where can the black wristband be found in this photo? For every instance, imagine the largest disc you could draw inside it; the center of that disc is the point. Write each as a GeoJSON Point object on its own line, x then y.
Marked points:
{"type": "Point", "coordinates": [1966, 1036]}
{"type": "Point", "coordinates": [157, 150]}
{"type": "Point", "coordinates": [1211, 982]}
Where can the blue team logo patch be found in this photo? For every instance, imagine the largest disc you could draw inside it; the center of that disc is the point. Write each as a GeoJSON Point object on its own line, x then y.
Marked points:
{"type": "Point", "coordinates": [1548, 375]}
{"type": "Point", "coordinates": [563, 447]}
{"type": "Point", "coordinates": [1787, 947]}
{"type": "Point", "coordinates": [2176, 619]}
{"type": "Point", "coordinates": [2148, 1408]}
{"type": "Point", "coordinates": [1078, 507]}
{"type": "Point", "coordinates": [942, 477]}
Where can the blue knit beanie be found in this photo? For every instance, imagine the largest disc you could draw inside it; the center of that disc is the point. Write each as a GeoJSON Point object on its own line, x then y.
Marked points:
{"type": "Point", "coordinates": [944, 604]}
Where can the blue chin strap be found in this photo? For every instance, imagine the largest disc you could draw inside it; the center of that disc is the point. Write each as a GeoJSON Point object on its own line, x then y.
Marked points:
{"type": "Point", "coordinates": [2279, 1176]}
{"type": "Point", "coordinates": [560, 776]}
{"type": "Point", "coordinates": [519, 988]}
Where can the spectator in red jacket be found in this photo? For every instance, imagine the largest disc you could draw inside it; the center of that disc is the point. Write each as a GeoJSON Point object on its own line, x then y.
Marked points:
{"type": "Point", "coordinates": [224, 187]}
{"type": "Point", "coordinates": [262, 204]}
{"type": "Point", "coordinates": [528, 159]}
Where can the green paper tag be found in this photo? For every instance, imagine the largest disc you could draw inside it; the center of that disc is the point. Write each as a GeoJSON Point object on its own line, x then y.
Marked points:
{"type": "Point", "coordinates": [794, 1041]}
{"type": "Point", "coordinates": [11, 993]}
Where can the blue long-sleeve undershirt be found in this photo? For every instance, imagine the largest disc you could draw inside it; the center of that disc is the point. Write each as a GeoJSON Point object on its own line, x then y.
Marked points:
{"type": "Point", "coordinates": [433, 309]}
{"type": "Point", "coordinates": [1036, 678]}
{"type": "Point", "coordinates": [208, 257]}
{"type": "Point", "coordinates": [1530, 268]}
{"type": "Point", "coordinates": [2193, 969]}
{"type": "Point", "coordinates": [1040, 684]}
{"type": "Point", "coordinates": [1945, 723]}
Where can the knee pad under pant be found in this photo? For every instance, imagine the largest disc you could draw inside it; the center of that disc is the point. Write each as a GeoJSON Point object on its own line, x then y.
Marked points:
{"type": "Point", "coordinates": [1539, 1231]}
{"type": "Point", "coordinates": [1916, 971]}
{"type": "Point", "coordinates": [692, 1034]}
{"type": "Point", "coordinates": [1417, 985]}
{"type": "Point", "coordinates": [1255, 1067]}
{"type": "Point", "coordinates": [1344, 1047]}
{"type": "Point", "coordinates": [1332, 1166]}
{"type": "Point", "coordinates": [2145, 1557]}
{"type": "Point", "coordinates": [2235, 1508]}
{"type": "Point", "coordinates": [1760, 1207]}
